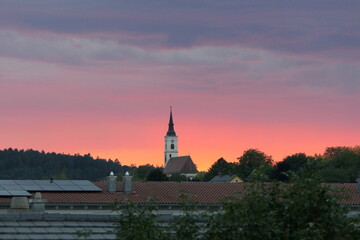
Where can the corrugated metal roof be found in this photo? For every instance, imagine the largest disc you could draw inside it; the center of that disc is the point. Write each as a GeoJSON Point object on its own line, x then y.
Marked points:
{"type": "Point", "coordinates": [57, 226]}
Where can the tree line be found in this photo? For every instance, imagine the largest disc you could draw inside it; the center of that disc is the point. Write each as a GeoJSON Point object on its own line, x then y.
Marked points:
{"type": "Point", "coordinates": [335, 165]}
{"type": "Point", "coordinates": [32, 164]}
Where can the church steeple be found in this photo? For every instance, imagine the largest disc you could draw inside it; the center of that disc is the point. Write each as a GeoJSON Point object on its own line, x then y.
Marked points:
{"type": "Point", "coordinates": [171, 131]}
{"type": "Point", "coordinates": [171, 141]}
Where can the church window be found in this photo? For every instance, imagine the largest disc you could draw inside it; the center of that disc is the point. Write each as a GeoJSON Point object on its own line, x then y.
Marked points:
{"type": "Point", "coordinates": [172, 146]}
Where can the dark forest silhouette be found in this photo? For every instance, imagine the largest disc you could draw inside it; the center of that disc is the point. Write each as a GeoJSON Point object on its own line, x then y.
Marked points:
{"type": "Point", "coordinates": [32, 164]}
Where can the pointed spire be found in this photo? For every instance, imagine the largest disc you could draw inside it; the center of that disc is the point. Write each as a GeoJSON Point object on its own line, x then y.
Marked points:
{"type": "Point", "coordinates": [171, 131]}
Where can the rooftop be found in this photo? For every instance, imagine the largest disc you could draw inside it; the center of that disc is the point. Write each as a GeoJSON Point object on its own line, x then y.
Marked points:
{"type": "Point", "coordinates": [167, 193]}
{"type": "Point", "coordinates": [183, 164]}
{"type": "Point", "coordinates": [56, 226]}
{"type": "Point", "coordinates": [223, 178]}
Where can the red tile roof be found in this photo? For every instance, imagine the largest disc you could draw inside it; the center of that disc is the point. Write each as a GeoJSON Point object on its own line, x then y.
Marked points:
{"type": "Point", "coordinates": [169, 192]}
{"type": "Point", "coordinates": [163, 192]}
{"type": "Point", "coordinates": [350, 190]}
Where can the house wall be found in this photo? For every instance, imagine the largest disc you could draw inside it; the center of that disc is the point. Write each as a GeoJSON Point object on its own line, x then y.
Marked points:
{"type": "Point", "coordinates": [236, 179]}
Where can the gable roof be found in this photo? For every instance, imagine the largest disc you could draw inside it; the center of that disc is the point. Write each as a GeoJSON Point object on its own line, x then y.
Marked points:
{"type": "Point", "coordinates": [183, 164]}
{"type": "Point", "coordinates": [223, 178]}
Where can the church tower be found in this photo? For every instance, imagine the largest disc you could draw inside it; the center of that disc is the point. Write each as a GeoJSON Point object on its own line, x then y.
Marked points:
{"type": "Point", "coordinates": [171, 141]}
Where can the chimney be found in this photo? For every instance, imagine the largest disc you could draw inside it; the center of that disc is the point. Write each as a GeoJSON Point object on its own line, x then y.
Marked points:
{"type": "Point", "coordinates": [111, 183]}
{"type": "Point", "coordinates": [19, 203]}
{"type": "Point", "coordinates": [127, 179]}
{"type": "Point", "coordinates": [38, 204]}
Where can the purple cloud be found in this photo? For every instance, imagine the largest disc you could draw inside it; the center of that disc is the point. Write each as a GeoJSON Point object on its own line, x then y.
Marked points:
{"type": "Point", "coordinates": [283, 26]}
{"type": "Point", "coordinates": [274, 64]}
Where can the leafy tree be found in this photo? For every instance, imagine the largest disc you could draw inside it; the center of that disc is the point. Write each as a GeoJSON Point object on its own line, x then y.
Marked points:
{"type": "Point", "coordinates": [200, 176]}
{"type": "Point", "coordinates": [185, 226]}
{"type": "Point", "coordinates": [304, 209]}
{"type": "Point", "coordinates": [342, 166]}
{"type": "Point", "coordinates": [331, 152]}
{"type": "Point", "coordinates": [138, 222]}
{"type": "Point", "coordinates": [157, 175]}
{"type": "Point", "coordinates": [177, 178]}
{"type": "Point", "coordinates": [142, 172]}
{"type": "Point", "coordinates": [356, 149]}
{"type": "Point", "coordinates": [259, 174]}
{"type": "Point", "coordinates": [290, 163]}
{"type": "Point", "coordinates": [220, 167]}
{"type": "Point", "coordinates": [252, 159]}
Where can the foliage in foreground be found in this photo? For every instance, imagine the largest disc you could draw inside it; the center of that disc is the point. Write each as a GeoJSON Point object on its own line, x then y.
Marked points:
{"type": "Point", "coordinates": [302, 210]}
{"type": "Point", "coordinates": [138, 222]}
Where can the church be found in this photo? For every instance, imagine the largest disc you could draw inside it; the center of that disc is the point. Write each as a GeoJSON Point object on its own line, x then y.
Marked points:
{"type": "Point", "coordinates": [174, 164]}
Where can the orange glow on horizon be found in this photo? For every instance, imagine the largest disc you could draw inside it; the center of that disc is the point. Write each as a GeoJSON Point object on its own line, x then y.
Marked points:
{"type": "Point", "coordinates": [205, 143]}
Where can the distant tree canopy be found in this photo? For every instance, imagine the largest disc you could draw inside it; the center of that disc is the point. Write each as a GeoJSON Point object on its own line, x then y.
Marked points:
{"type": "Point", "coordinates": [335, 165]}
{"type": "Point", "coordinates": [290, 163]}
{"type": "Point", "coordinates": [31, 164]}
{"type": "Point", "coordinates": [340, 164]}
{"type": "Point", "coordinates": [142, 172]}
{"type": "Point", "coordinates": [252, 159]}
{"type": "Point", "coordinates": [157, 175]}
{"type": "Point", "coordinates": [220, 167]}
{"type": "Point", "coordinates": [177, 177]}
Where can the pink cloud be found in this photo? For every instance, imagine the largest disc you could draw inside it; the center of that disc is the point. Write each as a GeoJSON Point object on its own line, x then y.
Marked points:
{"type": "Point", "coordinates": [283, 81]}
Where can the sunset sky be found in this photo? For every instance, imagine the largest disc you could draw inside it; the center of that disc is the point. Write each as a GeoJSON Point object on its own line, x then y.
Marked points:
{"type": "Point", "coordinates": [99, 77]}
